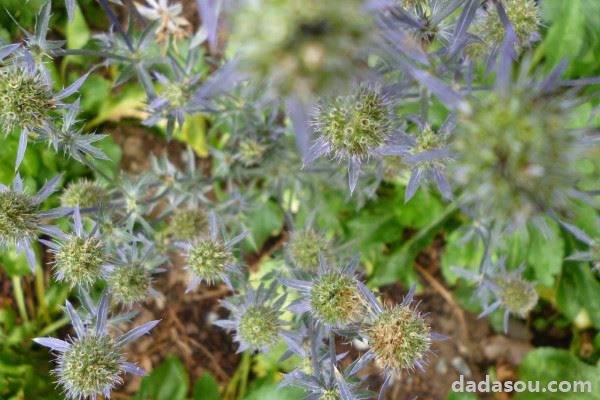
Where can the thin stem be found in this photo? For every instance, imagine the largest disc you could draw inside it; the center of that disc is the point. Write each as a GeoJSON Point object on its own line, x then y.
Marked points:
{"type": "Point", "coordinates": [40, 291]}
{"type": "Point", "coordinates": [245, 371]}
{"type": "Point", "coordinates": [332, 355]}
{"type": "Point", "coordinates": [20, 298]}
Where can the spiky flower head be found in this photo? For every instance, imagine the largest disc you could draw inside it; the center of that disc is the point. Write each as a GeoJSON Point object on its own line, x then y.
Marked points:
{"type": "Point", "coordinates": [26, 97]}
{"type": "Point", "coordinates": [332, 296]}
{"type": "Point", "coordinates": [353, 128]}
{"type": "Point", "coordinates": [21, 220]}
{"type": "Point", "coordinates": [188, 223]}
{"type": "Point", "coordinates": [524, 16]}
{"type": "Point", "coordinates": [302, 47]}
{"type": "Point", "coordinates": [80, 257]}
{"type": "Point", "coordinates": [304, 247]}
{"type": "Point", "coordinates": [92, 364]}
{"type": "Point", "coordinates": [516, 151]}
{"type": "Point", "coordinates": [427, 152]}
{"type": "Point", "coordinates": [130, 276]}
{"type": "Point", "coordinates": [251, 152]}
{"type": "Point", "coordinates": [399, 336]}
{"type": "Point", "coordinates": [210, 259]}
{"type": "Point", "coordinates": [256, 319]}
{"type": "Point", "coordinates": [327, 383]}
{"type": "Point", "coordinates": [85, 194]}
{"type": "Point", "coordinates": [508, 289]}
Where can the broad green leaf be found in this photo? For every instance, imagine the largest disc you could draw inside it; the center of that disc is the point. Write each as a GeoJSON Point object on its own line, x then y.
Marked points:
{"type": "Point", "coordinates": [548, 364]}
{"type": "Point", "coordinates": [78, 32]}
{"type": "Point", "coordinates": [268, 389]}
{"type": "Point", "coordinates": [579, 290]}
{"type": "Point", "coordinates": [263, 222]}
{"type": "Point", "coordinates": [206, 388]}
{"type": "Point", "coordinates": [168, 381]}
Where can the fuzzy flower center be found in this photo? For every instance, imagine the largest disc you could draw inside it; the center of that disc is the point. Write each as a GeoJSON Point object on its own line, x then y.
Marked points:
{"type": "Point", "coordinates": [79, 261]}
{"type": "Point", "coordinates": [26, 99]}
{"type": "Point", "coordinates": [518, 296]}
{"type": "Point", "coordinates": [86, 194]}
{"type": "Point", "coordinates": [251, 152]}
{"type": "Point", "coordinates": [188, 224]}
{"type": "Point", "coordinates": [304, 247]}
{"type": "Point", "coordinates": [208, 260]}
{"type": "Point", "coordinates": [129, 283]}
{"type": "Point", "coordinates": [18, 217]}
{"type": "Point", "coordinates": [354, 126]}
{"type": "Point", "coordinates": [259, 327]}
{"type": "Point", "coordinates": [90, 365]}
{"type": "Point", "coordinates": [524, 16]}
{"type": "Point", "coordinates": [330, 394]}
{"type": "Point", "coordinates": [400, 338]}
{"type": "Point", "coordinates": [334, 299]}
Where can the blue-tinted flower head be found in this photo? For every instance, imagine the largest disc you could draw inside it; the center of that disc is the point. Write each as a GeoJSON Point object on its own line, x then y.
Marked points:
{"type": "Point", "coordinates": [130, 276]}
{"type": "Point", "coordinates": [332, 296]}
{"type": "Point", "coordinates": [502, 288]}
{"type": "Point", "coordinates": [516, 151]}
{"type": "Point", "coordinates": [92, 364]}
{"type": "Point", "coordinates": [256, 319]}
{"type": "Point", "coordinates": [79, 259]}
{"type": "Point", "coordinates": [303, 249]}
{"type": "Point", "coordinates": [524, 16]}
{"type": "Point", "coordinates": [189, 223]}
{"type": "Point", "coordinates": [399, 336]}
{"type": "Point", "coordinates": [210, 259]}
{"type": "Point", "coordinates": [22, 221]}
{"type": "Point", "coordinates": [353, 128]}
{"type": "Point", "coordinates": [85, 194]}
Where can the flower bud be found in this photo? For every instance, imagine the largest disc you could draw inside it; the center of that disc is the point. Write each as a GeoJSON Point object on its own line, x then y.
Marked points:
{"type": "Point", "coordinates": [208, 259]}
{"type": "Point", "coordinates": [129, 283]}
{"type": "Point", "coordinates": [79, 260]}
{"type": "Point", "coordinates": [259, 327]}
{"type": "Point", "coordinates": [86, 194]}
{"type": "Point", "coordinates": [18, 217]}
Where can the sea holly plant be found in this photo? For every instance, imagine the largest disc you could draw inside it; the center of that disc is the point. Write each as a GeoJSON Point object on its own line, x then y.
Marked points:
{"type": "Point", "coordinates": [306, 127]}
{"type": "Point", "coordinates": [92, 364]}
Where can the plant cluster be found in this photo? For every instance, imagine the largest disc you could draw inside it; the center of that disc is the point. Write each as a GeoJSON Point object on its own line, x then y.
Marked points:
{"type": "Point", "coordinates": [297, 94]}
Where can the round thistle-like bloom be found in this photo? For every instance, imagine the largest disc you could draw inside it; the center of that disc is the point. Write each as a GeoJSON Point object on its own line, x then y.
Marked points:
{"type": "Point", "coordinates": [334, 299]}
{"type": "Point", "coordinates": [26, 99]}
{"type": "Point", "coordinates": [515, 156]}
{"type": "Point", "coordinates": [259, 326]}
{"type": "Point", "coordinates": [354, 126]}
{"type": "Point", "coordinates": [400, 338]}
{"type": "Point", "coordinates": [208, 260]}
{"type": "Point", "coordinates": [79, 260]}
{"type": "Point", "coordinates": [129, 283]}
{"type": "Point", "coordinates": [188, 224]}
{"type": "Point", "coordinates": [304, 247]}
{"type": "Point", "coordinates": [90, 365]}
{"type": "Point", "coordinates": [524, 16]}
{"type": "Point", "coordinates": [85, 194]}
{"type": "Point", "coordinates": [518, 296]}
{"type": "Point", "coordinates": [19, 218]}
{"type": "Point", "coordinates": [251, 152]}
{"type": "Point", "coordinates": [302, 47]}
